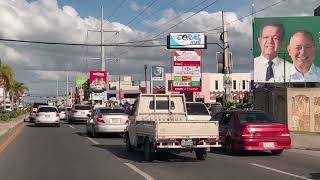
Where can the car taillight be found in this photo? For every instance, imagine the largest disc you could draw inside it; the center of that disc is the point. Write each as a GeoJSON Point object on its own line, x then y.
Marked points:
{"type": "Point", "coordinates": [285, 132]}
{"type": "Point", "coordinates": [200, 142]}
{"type": "Point", "coordinates": [247, 133]}
{"type": "Point", "coordinates": [73, 110]}
{"type": "Point", "coordinates": [100, 119]}
{"type": "Point", "coordinates": [57, 114]}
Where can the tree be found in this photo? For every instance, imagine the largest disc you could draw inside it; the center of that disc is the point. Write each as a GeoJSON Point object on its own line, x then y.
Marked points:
{"type": "Point", "coordinates": [16, 90]}
{"type": "Point", "coordinates": [7, 74]}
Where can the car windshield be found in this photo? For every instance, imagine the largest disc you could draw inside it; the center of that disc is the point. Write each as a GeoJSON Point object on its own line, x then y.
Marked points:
{"type": "Point", "coordinates": [47, 109]}
{"type": "Point", "coordinates": [36, 105]}
{"type": "Point", "coordinates": [197, 109]}
{"type": "Point", "coordinates": [255, 117]}
{"type": "Point", "coordinates": [82, 107]}
{"type": "Point", "coordinates": [112, 111]}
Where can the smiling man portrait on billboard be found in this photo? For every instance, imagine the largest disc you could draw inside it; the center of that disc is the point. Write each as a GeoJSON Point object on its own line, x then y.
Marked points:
{"type": "Point", "coordinates": [268, 67]}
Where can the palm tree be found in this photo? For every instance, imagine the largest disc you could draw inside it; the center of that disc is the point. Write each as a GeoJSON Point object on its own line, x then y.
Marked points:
{"type": "Point", "coordinates": [7, 74]}
{"type": "Point", "coordinates": [16, 90]}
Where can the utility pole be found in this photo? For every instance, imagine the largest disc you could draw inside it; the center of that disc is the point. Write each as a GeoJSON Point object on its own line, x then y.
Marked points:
{"type": "Point", "coordinates": [145, 77]}
{"type": "Point", "coordinates": [71, 95]}
{"type": "Point", "coordinates": [67, 88]}
{"type": "Point", "coordinates": [226, 58]}
{"type": "Point", "coordinates": [103, 66]}
{"type": "Point", "coordinates": [151, 88]}
{"type": "Point", "coordinates": [57, 91]}
{"type": "Point", "coordinates": [119, 85]}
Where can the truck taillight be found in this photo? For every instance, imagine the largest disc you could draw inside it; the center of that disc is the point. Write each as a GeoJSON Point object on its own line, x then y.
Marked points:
{"type": "Point", "coordinates": [100, 119]}
{"type": "Point", "coordinates": [73, 110]}
{"type": "Point", "coordinates": [200, 142]}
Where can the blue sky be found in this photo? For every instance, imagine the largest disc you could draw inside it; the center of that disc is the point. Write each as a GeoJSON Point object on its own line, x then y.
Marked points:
{"type": "Point", "coordinates": [126, 12]}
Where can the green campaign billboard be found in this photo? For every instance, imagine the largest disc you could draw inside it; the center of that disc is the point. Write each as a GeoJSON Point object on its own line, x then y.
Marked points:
{"type": "Point", "coordinates": [286, 49]}
{"type": "Point", "coordinates": [80, 81]}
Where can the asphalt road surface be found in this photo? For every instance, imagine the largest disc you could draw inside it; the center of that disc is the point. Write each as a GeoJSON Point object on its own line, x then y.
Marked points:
{"type": "Point", "coordinates": [66, 153]}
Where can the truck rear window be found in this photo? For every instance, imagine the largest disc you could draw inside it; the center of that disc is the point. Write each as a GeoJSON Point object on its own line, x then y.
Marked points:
{"type": "Point", "coordinates": [161, 104]}
{"type": "Point", "coordinates": [112, 111]}
{"type": "Point", "coordinates": [197, 109]}
{"type": "Point", "coordinates": [47, 109]}
{"type": "Point", "coordinates": [82, 107]}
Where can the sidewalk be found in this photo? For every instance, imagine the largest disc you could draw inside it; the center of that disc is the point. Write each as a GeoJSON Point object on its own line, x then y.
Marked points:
{"type": "Point", "coordinates": [6, 127]}
{"type": "Point", "coordinates": [305, 141]}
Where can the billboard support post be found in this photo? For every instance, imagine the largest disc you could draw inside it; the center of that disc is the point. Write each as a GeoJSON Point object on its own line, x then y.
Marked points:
{"type": "Point", "coordinates": [226, 57]}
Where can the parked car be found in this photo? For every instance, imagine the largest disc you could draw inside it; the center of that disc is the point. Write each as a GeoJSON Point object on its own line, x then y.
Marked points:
{"type": "Point", "coordinates": [79, 113]}
{"type": "Point", "coordinates": [251, 131]}
{"type": "Point", "coordinates": [197, 111]}
{"type": "Point", "coordinates": [47, 115]}
{"type": "Point", "coordinates": [34, 110]}
{"type": "Point", "coordinates": [107, 120]}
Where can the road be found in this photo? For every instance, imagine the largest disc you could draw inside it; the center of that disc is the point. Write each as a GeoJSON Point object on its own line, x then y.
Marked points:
{"type": "Point", "coordinates": [66, 153]}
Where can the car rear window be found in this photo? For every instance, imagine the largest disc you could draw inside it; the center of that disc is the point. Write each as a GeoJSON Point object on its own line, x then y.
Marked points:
{"type": "Point", "coordinates": [196, 109]}
{"type": "Point", "coordinates": [47, 109]}
{"type": "Point", "coordinates": [36, 105]}
{"type": "Point", "coordinates": [161, 104]}
{"type": "Point", "coordinates": [82, 107]}
{"type": "Point", "coordinates": [112, 111]}
{"type": "Point", "coordinates": [255, 117]}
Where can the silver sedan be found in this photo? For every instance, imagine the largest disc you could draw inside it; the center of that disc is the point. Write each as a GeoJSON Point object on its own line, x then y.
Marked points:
{"type": "Point", "coordinates": [107, 120]}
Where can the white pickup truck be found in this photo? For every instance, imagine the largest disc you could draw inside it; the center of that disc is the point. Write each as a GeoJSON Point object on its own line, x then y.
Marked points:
{"type": "Point", "coordinates": [157, 125]}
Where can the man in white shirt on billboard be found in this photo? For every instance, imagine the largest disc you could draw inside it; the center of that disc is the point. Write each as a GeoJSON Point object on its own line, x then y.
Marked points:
{"type": "Point", "coordinates": [268, 67]}
{"type": "Point", "coordinates": [302, 50]}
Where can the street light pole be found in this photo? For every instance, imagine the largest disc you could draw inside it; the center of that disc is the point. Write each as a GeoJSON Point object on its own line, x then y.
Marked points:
{"type": "Point", "coordinates": [145, 77]}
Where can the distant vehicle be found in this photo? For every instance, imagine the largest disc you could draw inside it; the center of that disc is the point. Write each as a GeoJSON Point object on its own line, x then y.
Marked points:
{"type": "Point", "coordinates": [197, 111]}
{"type": "Point", "coordinates": [47, 115]}
{"type": "Point", "coordinates": [8, 107]}
{"type": "Point", "coordinates": [34, 110]}
{"type": "Point", "coordinates": [79, 113]}
{"type": "Point", "coordinates": [252, 131]}
{"type": "Point", "coordinates": [68, 112]}
{"type": "Point", "coordinates": [107, 120]}
{"type": "Point", "coordinates": [62, 113]}
{"type": "Point", "coordinates": [215, 108]}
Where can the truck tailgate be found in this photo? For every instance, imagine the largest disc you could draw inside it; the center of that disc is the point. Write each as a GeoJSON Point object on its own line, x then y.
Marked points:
{"type": "Point", "coordinates": [188, 129]}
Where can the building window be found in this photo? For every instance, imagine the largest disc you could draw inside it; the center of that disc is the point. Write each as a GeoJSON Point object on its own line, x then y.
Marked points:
{"type": "Point", "coordinates": [234, 84]}
{"type": "Point", "coordinates": [243, 84]}
{"type": "Point", "coordinates": [217, 87]}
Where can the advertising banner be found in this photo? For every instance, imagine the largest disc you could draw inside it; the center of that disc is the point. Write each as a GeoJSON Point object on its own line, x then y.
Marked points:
{"type": "Point", "coordinates": [157, 73]}
{"type": "Point", "coordinates": [98, 96]}
{"type": "Point", "coordinates": [286, 49]}
{"type": "Point", "coordinates": [186, 71]}
{"type": "Point", "coordinates": [189, 40]}
{"type": "Point", "coordinates": [98, 81]}
{"type": "Point", "coordinates": [80, 81]}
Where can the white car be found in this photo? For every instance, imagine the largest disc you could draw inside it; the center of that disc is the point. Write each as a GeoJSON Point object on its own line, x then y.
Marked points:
{"type": "Point", "coordinates": [197, 111]}
{"type": "Point", "coordinates": [79, 113]}
{"type": "Point", "coordinates": [47, 115]}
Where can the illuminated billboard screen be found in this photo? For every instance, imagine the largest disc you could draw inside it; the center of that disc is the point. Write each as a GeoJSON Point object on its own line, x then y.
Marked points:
{"type": "Point", "coordinates": [286, 49]}
{"type": "Point", "coordinates": [98, 81]}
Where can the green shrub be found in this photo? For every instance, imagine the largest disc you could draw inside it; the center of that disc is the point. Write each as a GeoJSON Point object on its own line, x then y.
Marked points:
{"type": "Point", "coordinates": [7, 116]}
{"type": "Point", "coordinates": [228, 105]}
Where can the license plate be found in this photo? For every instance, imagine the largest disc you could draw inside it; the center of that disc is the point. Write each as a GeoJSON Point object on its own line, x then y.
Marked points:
{"type": "Point", "coordinates": [82, 113]}
{"type": "Point", "coordinates": [47, 116]}
{"type": "Point", "coordinates": [186, 143]}
{"type": "Point", "coordinates": [115, 121]}
{"type": "Point", "coordinates": [268, 145]}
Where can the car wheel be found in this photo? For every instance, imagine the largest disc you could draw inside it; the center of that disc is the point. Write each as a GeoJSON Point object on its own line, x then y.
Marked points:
{"type": "Point", "coordinates": [148, 150]}
{"type": "Point", "coordinates": [277, 152]}
{"type": "Point", "coordinates": [128, 144]}
{"type": "Point", "coordinates": [58, 124]}
{"type": "Point", "coordinates": [87, 130]}
{"type": "Point", "coordinates": [201, 154]}
{"type": "Point", "coordinates": [229, 149]}
{"type": "Point", "coordinates": [69, 121]}
{"type": "Point", "coordinates": [94, 133]}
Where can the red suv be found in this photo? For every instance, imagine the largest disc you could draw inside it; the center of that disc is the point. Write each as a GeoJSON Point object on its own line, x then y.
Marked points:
{"type": "Point", "coordinates": [252, 131]}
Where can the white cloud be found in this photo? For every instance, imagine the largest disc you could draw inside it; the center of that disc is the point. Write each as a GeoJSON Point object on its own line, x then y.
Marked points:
{"type": "Point", "coordinates": [134, 6]}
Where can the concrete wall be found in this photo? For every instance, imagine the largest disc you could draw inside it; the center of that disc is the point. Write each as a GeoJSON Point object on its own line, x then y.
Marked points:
{"type": "Point", "coordinates": [304, 109]}
{"type": "Point", "coordinates": [299, 108]}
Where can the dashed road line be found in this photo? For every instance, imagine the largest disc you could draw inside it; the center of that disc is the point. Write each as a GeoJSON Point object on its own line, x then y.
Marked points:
{"type": "Point", "coordinates": [279, 171]}
{"type": "Point", "coordinates": [137, 170]}
{"type": "Point", "coordinates": [93, 141]}
{"type": "Point", "coordinates": [71, 127]}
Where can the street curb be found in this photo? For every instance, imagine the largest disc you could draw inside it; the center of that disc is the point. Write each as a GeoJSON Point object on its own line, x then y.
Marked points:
{"type": "Point", "coordinates": [8, 130]}
{"type": "Point", "coordinates": [306, 148]}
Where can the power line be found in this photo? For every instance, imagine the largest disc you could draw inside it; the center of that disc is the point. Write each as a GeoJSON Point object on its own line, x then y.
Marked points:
{"type": "Point", "coordinates": [114, 12]}
{"type": "Point", "coordinates": [248, 15]}
{"type": "Point", "coordinates": [134, 18]}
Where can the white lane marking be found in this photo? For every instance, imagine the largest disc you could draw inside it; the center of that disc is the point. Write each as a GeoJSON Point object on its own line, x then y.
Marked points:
{"type": "Point", "coordinates": [145, 175]}
{"type": "Point", "coordinates": [72, 127]}
{"type": "Point", "coordinates": [279, 171]}
{"type": "Point", "coordinates": [94, 142]}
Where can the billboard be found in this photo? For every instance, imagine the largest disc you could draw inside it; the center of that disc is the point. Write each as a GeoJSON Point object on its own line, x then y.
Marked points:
{"type": "Point", "coordinates": [98, 81]}
{"type": "Point", "coordinates": [186, 71]}
{"type": "Point", "coordinates": [157, 73]}
{"type": "Point", "coordinates": [190, 40]}
{"type": "Point", "coordinates": [286, 49]}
